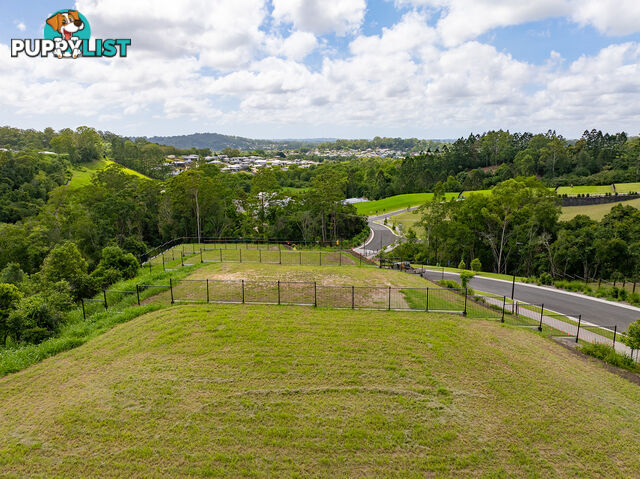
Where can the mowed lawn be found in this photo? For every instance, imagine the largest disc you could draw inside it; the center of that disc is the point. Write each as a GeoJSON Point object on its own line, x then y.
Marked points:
{"type": "Point", "coordinates": [408, 221]}
{"type": "Point", "coordinates": [268, 391]}
{"type": "Point", "coordinates": [396, 203]}
{"type": "Point", "coordinates": [596, 212]}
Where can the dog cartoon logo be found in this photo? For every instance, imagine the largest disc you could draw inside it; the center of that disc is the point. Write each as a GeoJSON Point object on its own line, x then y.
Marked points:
{"type": "Point", "coordinates": [70, 26]}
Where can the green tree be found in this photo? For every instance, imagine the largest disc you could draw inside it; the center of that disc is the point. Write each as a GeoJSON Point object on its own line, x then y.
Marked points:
{"type": "Point", "coordinates": [632, 338]}
{"type": "Point", "coordinates": [114, 266]}
{"type": "Point", "coordinates": [12, 274]}
{"type": "Point", "coordinates": [66, 263]}
{"type": "Point", "coordinates": [9, 298]}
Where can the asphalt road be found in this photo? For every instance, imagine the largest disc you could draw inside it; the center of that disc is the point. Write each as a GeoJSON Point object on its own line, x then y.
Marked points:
{"type": "Point", "coordinates": [593, 310]}
{"type": "Point", "coordinates": [381, 236]}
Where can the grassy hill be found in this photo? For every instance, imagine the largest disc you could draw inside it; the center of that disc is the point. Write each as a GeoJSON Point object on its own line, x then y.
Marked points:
{"type": "Point", "coordinates": [82, 173]}
{"type": "Point", "coordinates": [399, 202]}
{"type": "Point", "coordinates": [264, 391]}
{"type": "Point", "coordinates": [395, 203]}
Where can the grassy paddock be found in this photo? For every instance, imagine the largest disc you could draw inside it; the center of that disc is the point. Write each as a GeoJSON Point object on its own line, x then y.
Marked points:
{"type": "Point", "coordinates": [82, 174]}
{"type": "Point", "coordinates": [595, 212]}
{"type": "Point", "coordinates": [395, 203]}
{"type": "Point", "coordinates": [220, 390]}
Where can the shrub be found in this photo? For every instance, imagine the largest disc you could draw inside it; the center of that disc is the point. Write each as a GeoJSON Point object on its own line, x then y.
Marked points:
{"type": "Point", "coordinates": [37, 317]}
{"type": "Point", "coordinates": [546, 279]}
{"type": "Point", "coordinates": [114, 265]}
{"type": "Point", "coordinates": [449, 283]}
{"type": "Point", "coordinates": [609, 355]}
{"type": "Point", "coordinates": [462, 264]}
{"type": "Point", "coordinates": [465, 277]}
{"type": "Point", "coordinates": [476, 265]}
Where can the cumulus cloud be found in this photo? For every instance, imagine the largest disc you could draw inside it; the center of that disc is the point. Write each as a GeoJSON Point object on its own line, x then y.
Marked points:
{"type": "Point", "coordinates": [231, 62]}
{"type": "Point", "coordinates": [463, 20]}
{"type": "Point", "coordinates": [319, 17]}
{"type": "Point", "coordinates": [20, 25]}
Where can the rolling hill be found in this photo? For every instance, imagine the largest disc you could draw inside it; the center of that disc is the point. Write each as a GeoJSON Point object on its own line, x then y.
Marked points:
{"type": "Point", "coordinates": [264, 391]}
{"type": "Point", "coordinates": [217, 142]}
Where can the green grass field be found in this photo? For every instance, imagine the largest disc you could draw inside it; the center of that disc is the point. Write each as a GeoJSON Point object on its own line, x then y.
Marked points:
{"type": "Point", "coordinates": [627, 187]}
{"type": "Point", "coordinates": [396, 203]}
{"type": "Point", "coordinates": [399, 202]}
{"type": "Point", "coordinates": [596, 212]}
{"type": "Point", "coordinates": [593, 190]}
{"type": "Point", "coordinates": [408, 221]}
{"type": "Point", "coordinates": [82, 174]}
{"type": "Point", "coordinates": [267, 391]}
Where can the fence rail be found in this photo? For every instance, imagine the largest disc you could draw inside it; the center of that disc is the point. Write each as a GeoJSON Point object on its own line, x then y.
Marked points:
{"type": "Point", "coordinates": [430, 300]}
{"type": "Point", "coordinates": [189, 254]}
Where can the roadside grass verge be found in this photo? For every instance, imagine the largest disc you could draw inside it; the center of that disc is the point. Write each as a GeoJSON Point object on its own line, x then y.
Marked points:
{"type": "Point", "coordinates": [610, 356]}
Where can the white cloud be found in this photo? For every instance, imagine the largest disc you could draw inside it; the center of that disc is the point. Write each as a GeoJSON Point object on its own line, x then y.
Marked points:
{"type": "Point", "coordinates": [224, 33]}
{"type": "Point", "coordinates": [20, 25]}
{"type": "Point", "coordinates": [467, 19]}
{"type": "Point", "coordinates": [225, 63]}
{"type": "Point", "coordinates": [317, 16]}
{"type": "Point", "coordinates": [296, 46]}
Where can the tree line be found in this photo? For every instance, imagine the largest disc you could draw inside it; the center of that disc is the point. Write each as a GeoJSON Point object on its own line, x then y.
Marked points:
{"type": "Point", "coordinates": [516, 230]}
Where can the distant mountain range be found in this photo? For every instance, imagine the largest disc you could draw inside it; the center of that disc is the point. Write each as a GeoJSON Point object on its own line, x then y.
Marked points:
{"type": "Point", "coordinates": [217, 142]}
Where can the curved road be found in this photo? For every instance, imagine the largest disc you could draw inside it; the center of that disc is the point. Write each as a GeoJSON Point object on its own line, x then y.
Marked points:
{"type": "Point", "coordinates": [380, 238]}
{"type": "Point", "coordinates": [594, 310]}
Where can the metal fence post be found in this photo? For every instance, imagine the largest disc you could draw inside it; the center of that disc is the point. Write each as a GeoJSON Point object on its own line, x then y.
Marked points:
{"type": "Point", "coordinates": [389, 307]}
{"type": "Point", "coordinates": [353, 297]}
{"type": "Point", "coordinates": [615, 332]}
{"type": "Point", "coordinates": [320, 254]}
{"type": "Point", "coordinates": [84, 314]}
{"type": "Point", "coordinates": [278, 291]}
{"type": "Point", "coordinates": [104, 292]}
{"type": "Point", "coordinates": [220, 254]}
{"type": "Point", "coordinates": [242, 290]}
{"type": "Point", "coordinates": [504, 306]}
{"type": "Point", "coordinates": [541, 316]}
{"type": "Point", "coordinates": [163, 268]}
{"type": "Point", "coordinates": [207, 290]}
{"type": "Point", "coordinates": [182, 259]}
{"type": "Point", "coordinates": [201, 260]}
{"type": "Point", "coordinates": [300, 257]}
{"type": "Point", "coordinates": [427, 308]}
{"type": "Point", "coordinates": [578, 331]}
{"type": "Point", "coordinates": [259, 255]}
{"type": "Point", "coordinates": [138, 293]}
{"type": "Point", "coordinates": [315, 294]}
{"type": "Point", "coordinates": [465, 302]}
{"type": "Point", "coordinates": [340, 257]}
{"type": "Point", "coordinates": [280, 255]}
{"type": "Point", "coordinates": [240, 254]}
{"type": "Point", "coordinates": [171, 288]}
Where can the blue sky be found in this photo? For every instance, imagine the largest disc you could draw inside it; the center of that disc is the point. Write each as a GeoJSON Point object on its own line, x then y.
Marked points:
{"type": "Point", "coordinates": [346, 68]}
